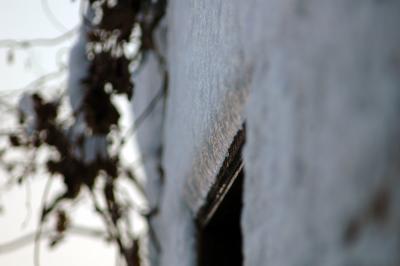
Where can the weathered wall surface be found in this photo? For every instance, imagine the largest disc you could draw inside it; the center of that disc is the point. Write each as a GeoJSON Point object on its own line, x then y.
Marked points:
{"type": "Point", "coordinates": [322, 154]}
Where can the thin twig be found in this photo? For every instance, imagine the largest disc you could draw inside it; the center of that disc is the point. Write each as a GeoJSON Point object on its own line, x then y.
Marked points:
{"type": "Point", "coordinates": [112, 227]}
{"type": "Point", "coordinates": [8, 132]}
{"type": "Point", "coordinates": [38, 234]}
{"type": "Point", "coordinates": [27, 239]}
{"type": "Point", "coordinates": [87, 231]}
{"type": "Point", "coordinates": [44, 78]}
{"type": "Point", "coordinates": [24, 44]}
{"type": "Point", "coordinates": [142, 117]}
{"type": "Point", "coordinates": [29, 169]}
{"type": "Point", "coordinates": [51, 16]}
{"type": "Point", "coordinates": [28, 205]}
{"type": "Point", "coordinates": [137, 184]}
{"type": "Point", "coordinates": [108, 223]}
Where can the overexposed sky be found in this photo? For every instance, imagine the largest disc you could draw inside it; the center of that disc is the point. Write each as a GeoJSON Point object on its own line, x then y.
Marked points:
{"type": "Point", "coordinates": [27, 19]}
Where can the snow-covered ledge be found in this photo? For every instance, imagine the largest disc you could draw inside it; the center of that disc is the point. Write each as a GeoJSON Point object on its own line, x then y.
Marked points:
{"type": "Point", "coordinates": [208, 91]}
{"type": "Point", "coordinates": [207, 94]}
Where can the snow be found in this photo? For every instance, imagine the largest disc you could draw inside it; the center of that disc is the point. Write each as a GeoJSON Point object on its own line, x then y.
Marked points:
{"type": "Point", "coordinates": [77, 71]}
{"type": "Point", "coordinates": [148, 83]}
{"type": "Point", "coordinates": [322, 132]}
{"type": "Point", "coordinates": [26, 107]}
{"type": "Point", "coordinates": [207, 92]}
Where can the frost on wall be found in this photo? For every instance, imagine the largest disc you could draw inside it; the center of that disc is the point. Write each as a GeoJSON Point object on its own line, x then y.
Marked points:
{"type": "Point", "coordinates": [322, 157]}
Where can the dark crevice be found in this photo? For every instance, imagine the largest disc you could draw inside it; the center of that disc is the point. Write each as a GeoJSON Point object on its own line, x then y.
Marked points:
{"type": "Point", "coordinates": [220, 241]}
{"type": "Point", "coordinates": [231, 166]}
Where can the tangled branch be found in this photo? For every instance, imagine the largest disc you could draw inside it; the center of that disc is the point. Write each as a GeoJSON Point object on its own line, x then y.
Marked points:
{"type": "Point", "coordinates": [81, 151]}
{"type": "Point", "coordinates": [24, 44]}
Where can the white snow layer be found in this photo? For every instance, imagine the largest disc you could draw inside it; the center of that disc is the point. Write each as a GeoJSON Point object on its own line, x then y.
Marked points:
{"type": "Point", "coordinates": [207, 92]}
{"type": "Point", "coordinates": [78, 69]}
{"type": "Point", "coordinates": [322, 152]}
{"type": "Point", "coordinates": [148, 83]}
{"type": "Point", "coordinates": [26, 106]}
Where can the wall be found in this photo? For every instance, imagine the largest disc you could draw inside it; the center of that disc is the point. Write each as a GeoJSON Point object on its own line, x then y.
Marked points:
{"type": "Point", "coordinates": [321, 158]}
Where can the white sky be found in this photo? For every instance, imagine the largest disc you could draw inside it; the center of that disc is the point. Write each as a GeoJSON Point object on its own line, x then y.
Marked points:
{"type": "Point", "coordinates": [25, 19]}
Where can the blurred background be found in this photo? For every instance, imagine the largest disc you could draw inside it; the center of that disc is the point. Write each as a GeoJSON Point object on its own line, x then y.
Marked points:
{"type": "Point", "coordinates": [21, 68]}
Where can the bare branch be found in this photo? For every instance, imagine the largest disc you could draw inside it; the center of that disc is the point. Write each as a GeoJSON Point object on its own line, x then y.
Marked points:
{"type": "Point", "coordinates": [142, 117]}
{"type": "Point", "coordinates": [51, 16]}
{"type": "Point", "coordinates": [111, 226]}
{"type": "Point", "coordinates": [36, 82]}
{"type": "Point", "coordinates": [107, 221]}
{"type": "Point", "coordinates": [28, 205]}
{"type": "Point", "coordinates": [24, 44]}
{"type": "Point", "coordinates": [8, 132]}
{"type": "Point", "coordinates": [8, 107]}
{"type": "Point", "coordinates": [38, 234]}
{"type": "Point", "coordinates": [27, 239]}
